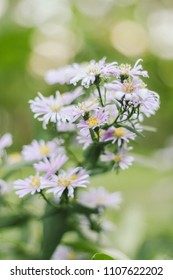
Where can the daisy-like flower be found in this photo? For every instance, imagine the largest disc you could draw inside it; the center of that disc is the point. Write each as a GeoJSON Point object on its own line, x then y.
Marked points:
{"type": "Point", "coordinates": [62, 75]}
{"type": "Point", "coordinates": [30, 185]}
{"type": "Point", "coordinates": [120, 158]}
{"type": "Point", "coordinates": [97, 119]}
{"type": "Point", "coordinates": [84, 108]}
{"type": "Point", "coordinates": [5, 141]}
{"type": "Point", "coordinates": [135, 93]}
{"type": "Point", "coordinates": [52, 165]}
{"type": "Point", "coordinates": [118, 134]}
{"type": "Point", "coordinates": [38, 150]}
{"type": "Point", "coordinates": [69, 180]}
{"type": "Point", "coordinates": [54, 109]}
{"type": "Point", "coordinates": [88, 73]}
{"type": "Point", "coordinates": [127, 70]}
{"type": "Point", "coordinates": [100, 197]}
{"type": "Point", "coordinates": [149, 102]}
{"type": "Point", "coordinates": [128, 90]}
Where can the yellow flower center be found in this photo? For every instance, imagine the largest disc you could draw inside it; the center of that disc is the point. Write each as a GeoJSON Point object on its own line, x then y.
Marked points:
{"type": "Point", "coordinates": [15, 157]}
{"type": "Point", "coordinates": [119, 132]}
{"type": "Point", "coordinates": [118, 158]}
{"type": "Point", "coordinates": [93, 70]}
{"type": "Point", "coordinates": [93, 121]}
{"type": "Point", "coordinates": [56, 108]}
{"type": "Point", "coordinates": [81, 106]}
{"type": "Point", "coordinates": [125, 68]}
{"type": "Point", "coordinates": [73, 177]}
{"type": "Point", "coordinates": [100, 200]}
{"type": "Point", "coordinates": [128, 87]}
{"type": "Point", "coordinates": [71, 256]}
{"type": "Point", "coordinates": [35, 182]}
{"type": "Point", "coordinates": [64, 182]}
{"type": "Point", "coordinates": [44, 150]}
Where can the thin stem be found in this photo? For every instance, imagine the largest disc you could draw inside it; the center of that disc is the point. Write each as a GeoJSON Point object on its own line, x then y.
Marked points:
{"type": "Point", "coordinates": [100, 96]}
{"type": "Point", "coordinates": [45, 198]}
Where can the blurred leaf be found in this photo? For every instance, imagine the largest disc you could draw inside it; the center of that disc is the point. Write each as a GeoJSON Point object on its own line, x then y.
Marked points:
{"type": "Point", "coordinates": [81, 209]}
{"type": "Point", "coordinates": [101, 256]}
{"type": "Point", "coordinates": [13, 220]}
{"type": "Point", "coordinates": [54, 227]}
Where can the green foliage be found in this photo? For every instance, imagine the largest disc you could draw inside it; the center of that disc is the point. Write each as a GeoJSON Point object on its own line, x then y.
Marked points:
{"type": "Point", "coordinates": [7, 221]}
{"type": "Point", "coordinates": [101, 256]}
{"type": "Point", "coordinates": [54, 227]}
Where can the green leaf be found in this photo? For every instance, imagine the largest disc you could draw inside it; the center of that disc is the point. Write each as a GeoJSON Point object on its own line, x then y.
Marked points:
{"type": "Point", "coordinates": [101, 256]}
{"type": "Point", "coordinates": [84, 210]}
{"type": "Point", "coordinates": [13, 220]}
{"type": "Point", "coordinates": [54, 227]}
{"type": "Point", "coordinates": [92, 154]}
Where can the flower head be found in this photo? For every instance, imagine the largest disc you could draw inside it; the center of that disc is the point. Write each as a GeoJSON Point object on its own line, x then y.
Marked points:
{"type": "Point", "coordinates": [84, 108]}
{"type": "Point", "coordinates": [97, 119]}
{"type": "Point", "coordinates": [118, 134]}
{"type": "Point", "coordinates": [52, 165]}
{"type": "Point", "coordinates": [88, 73]}
{"type": "Point", "coordinates": [120, 159]}
{"type": "Point", "coordinates": [30, 185]}
{"type": "Point", "coordinates": [95, 197]}
{"type": "Point", "coordinates": [54, 109]}
{"type": "Point", "coordinates": [38, 150]}
{"type": "Point", "coordinates": [69, 180]}
{"type": "Point", "coordinates": [62, 75]}
{"type": "Point", "coordinates": [127, 70]}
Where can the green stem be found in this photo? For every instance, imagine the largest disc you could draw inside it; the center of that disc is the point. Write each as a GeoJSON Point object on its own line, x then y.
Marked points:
{"type": "Point", "coordinates": [100, 96]}
{"type": "Point", "coordinates": [45, 198]}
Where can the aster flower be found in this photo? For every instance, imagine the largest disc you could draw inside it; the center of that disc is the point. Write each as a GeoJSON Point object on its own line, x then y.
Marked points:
{"type": "Point", "coordinates": [127, 70]}
{"type": "Point", "coordinates": [95, 197]}
{"type": "Point", "coordinates": [120, 158]}
{"type": "Point", "coordinates": [5, 141]}
{"type": "Point", "coordinates": [54, 109]}
{"type": "Point", "coordinates": [62, 75]}
{"type": "Point", "coordinates": [128, 89]}
{"type": "Point", "coordinates": [84, 108]}
{"type": "Point", "coordinates": [118, 134]}
{"type": "Point", "coordinates": [38, 150]}
{"type": "Point", "coordinates": [88, 73]}
{"type": "Point", "coordinates": [149, 102]}
{"type": "Point", "coordinates": [97, 119]}
{"type": "Point", "coordinates": [31, 185]}
{"type": "Point", "coordinates": [52, 165]}
{"type": "Point", "coordinates": [69, 180]}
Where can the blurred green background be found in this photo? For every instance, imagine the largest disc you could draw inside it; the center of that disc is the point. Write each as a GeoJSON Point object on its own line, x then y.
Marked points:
{"type": "Point", "coordinates": [38, 35]}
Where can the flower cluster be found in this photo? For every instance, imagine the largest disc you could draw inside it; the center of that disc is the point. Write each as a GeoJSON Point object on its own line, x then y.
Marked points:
{"type": "Point", "coordinates": [108, 111]}
{"type": "Point", "coordinates": [92, 128]}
